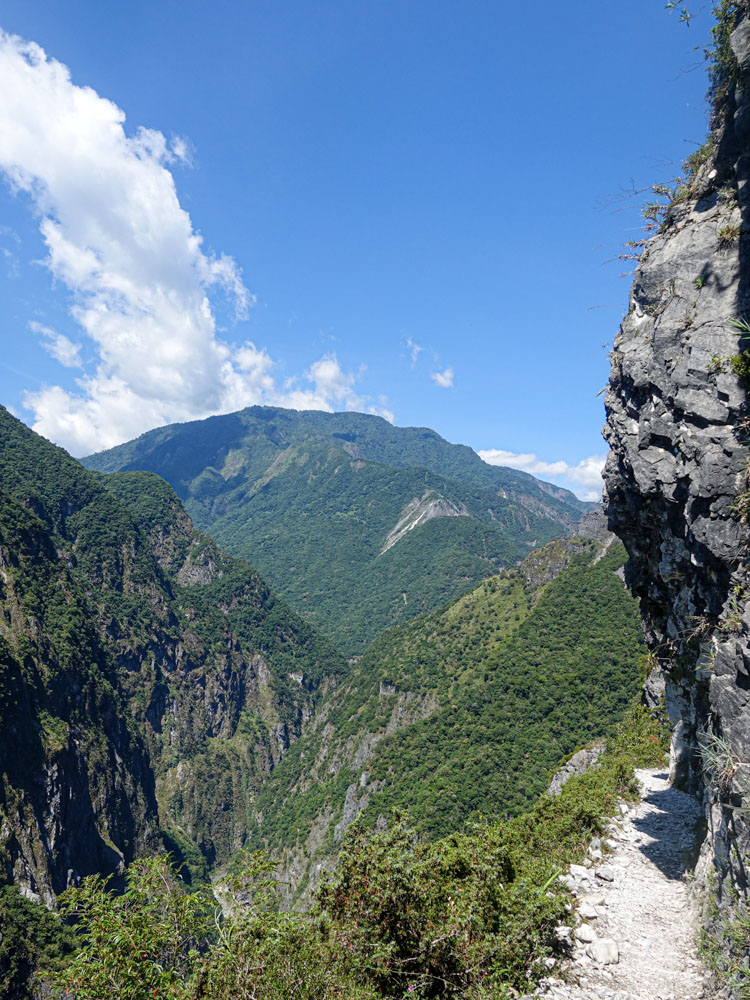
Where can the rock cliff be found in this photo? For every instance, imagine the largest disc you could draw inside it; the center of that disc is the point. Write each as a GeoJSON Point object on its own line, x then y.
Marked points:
{"type": "Point", "coordinates": [676, 478]}
{"type": "Point", "coordinates": [148, 681]}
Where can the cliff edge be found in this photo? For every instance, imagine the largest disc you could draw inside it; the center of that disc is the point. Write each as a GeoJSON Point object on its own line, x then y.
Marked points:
{"type": "Point", "coordinates": [678, 425]}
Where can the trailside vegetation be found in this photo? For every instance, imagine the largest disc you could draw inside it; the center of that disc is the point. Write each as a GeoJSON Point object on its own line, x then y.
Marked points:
{"type": "Point", "coordinates": [470, 916]}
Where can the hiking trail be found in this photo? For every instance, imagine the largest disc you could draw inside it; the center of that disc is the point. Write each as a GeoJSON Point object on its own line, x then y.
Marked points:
{"type": "Point", "coordinates": [635, 930]}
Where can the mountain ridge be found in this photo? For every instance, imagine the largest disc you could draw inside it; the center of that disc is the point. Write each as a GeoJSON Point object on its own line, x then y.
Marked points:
{"type": "Point", "coordinates": [315, 499]}
{"type": "Point", "coordinates": [461, 711]}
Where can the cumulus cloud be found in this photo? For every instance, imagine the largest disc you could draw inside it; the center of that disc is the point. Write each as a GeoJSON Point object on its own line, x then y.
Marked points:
{"type": "Point", "coordinates": [443, 379]}
{"type": "Point", "coordinates": [138, 274]}
{"type": "Point", "coordinates": [60, 347]}
{"type": "Point", "coordinates": [330, 387]}
{"type": "Point", "coordinates": [584, 478]}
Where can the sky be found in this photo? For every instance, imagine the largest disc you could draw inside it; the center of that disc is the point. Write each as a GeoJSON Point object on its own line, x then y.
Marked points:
{"type": "Point", "coordinates": [407, 208]}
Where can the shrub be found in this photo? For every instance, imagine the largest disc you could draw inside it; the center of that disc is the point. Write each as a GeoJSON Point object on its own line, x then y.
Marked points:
{"type": "Point", "coordinates": [32, 938]}
{"type": "Point", "coordinates": [145, 942]}
{"type": "Point", "coordinates": [264, 954]}
{"type": "Point", "coordinates": [451, 918]}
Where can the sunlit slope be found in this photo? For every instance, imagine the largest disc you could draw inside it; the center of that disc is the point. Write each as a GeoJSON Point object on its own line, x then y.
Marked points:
{"type": "Point", "coordinates": [358, 524]}
{"type": "Point", "coordinates": [464, 710]}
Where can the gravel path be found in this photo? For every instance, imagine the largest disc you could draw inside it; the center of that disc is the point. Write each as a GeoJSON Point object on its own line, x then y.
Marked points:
{"type": "Point", "coordinates": [635, 933]}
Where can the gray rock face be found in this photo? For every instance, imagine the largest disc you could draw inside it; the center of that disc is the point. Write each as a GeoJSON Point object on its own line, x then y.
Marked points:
{"type": "Point", "coordinates": [579, 763]}
{"type": "Point", "coordinates": [419, 511]}
{"type": "Point", "coordinates": [677, 424]}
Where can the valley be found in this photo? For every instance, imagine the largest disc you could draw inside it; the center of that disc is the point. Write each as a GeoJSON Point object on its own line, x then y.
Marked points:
{"type": "Point", "coordinates": [298, 704]}
{"type": "Point", "coordinates": [325, 507]}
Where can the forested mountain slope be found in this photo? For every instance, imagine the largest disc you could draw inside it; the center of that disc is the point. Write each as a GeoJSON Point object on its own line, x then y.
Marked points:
{"type": "Point", "coordinates": [358, 524]}
{"type": "Point", "coordinates": [148, 681]}
{"type": "Point", "coordinates": [462, 711]}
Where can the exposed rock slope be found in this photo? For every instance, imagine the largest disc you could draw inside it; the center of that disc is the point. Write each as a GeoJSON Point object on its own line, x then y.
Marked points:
{"type": "Point", "coordinates": [148, 681]}
{"type": "Point", "coordinates": [677, 423]}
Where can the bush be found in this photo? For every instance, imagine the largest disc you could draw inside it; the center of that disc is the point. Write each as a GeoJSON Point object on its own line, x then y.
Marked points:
{"type": "Point", "coordinates": [265, 954]}
{"type": "Point", "coordinates": [471, 916]}
{"type": "Point", "coordinates": [32, 938]}
{"type": "Point", "coordinates": [146, 942]}
{"type": "Point", "coordinates": [451, 918]}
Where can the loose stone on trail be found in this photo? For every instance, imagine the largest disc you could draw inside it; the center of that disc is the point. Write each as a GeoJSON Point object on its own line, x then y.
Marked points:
{"type": "Point", "coordinates": [643, 943]}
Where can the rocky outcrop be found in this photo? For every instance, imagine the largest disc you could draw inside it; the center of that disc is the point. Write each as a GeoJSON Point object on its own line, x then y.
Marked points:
{"type": "Point", "coordinates": [677, 424]}
{"type": "Point", "coordinates": [148, 682]}
{"type": "Point", "coordinates": [581, 762]}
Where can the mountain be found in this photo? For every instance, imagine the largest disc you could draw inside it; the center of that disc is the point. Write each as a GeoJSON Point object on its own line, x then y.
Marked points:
{"type": "Point", "coordinates": [358, 524]}
{"type": "Point", "coordinates": [148, 681]}
{"type": "Point", "coordinates": [462, 711]}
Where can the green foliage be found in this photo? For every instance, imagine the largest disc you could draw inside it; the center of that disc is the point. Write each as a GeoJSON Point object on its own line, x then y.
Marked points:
{"type": "Point", "coordinates": [724, 72]}
{"type": "Point", "coordinates": [471, 915]}
{"type": "Point", "coordinates": [155, 939]}
{"type": "Point", "coordinates": [131, 646]}
{"type": "Point", "coordinates": [727, 236]}
{"type": "Point", "coordinates": [33, 940]}
{"type": "Point", "coordinates": [464, 711]}
{"type": "Point", "coordinates": [719, 760]}
{"type": "Point", "coordinates": [725, 942]}
{"type": "Point", "coordinates": [142, 943]}
{"type": "Point", "coordinates": [310, 498]}
{"type": "Point", "coordinates": [738, 364]}
{"type": "Point", "coordinates": [463, 917]}
{"type": "Point", "coordinates": [265, 952]}
{"type": "Point", "coordinates": [316, 530]}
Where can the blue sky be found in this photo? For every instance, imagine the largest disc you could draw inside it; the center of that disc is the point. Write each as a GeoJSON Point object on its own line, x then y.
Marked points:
{"type": "Point", "coordinates": [409, 208]}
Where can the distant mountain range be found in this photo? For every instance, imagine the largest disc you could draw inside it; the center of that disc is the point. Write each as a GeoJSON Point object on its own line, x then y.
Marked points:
{"type": "Point", "coordinates": [358, 524]}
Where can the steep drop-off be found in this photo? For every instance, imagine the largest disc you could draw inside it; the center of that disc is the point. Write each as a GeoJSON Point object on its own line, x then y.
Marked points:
{"type": "Point", "coordinates": [676, 478]}
{"type": "Point", "coordinates": [148, 682]}
{"type": "Point", "coordinates": [358, 524]}
{"type": "Point", "coordinates": [463, 711]}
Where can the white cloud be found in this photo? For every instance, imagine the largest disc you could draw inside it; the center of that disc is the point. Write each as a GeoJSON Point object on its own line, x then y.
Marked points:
{"type": "Point", "coordinates": [332, 388]}
{"type": "Point", "coordinates": [443, 379]}
{"type": "Point", "coordinates": [139, 277]}
{"type": "Point", "coordinates": [182, 150]}
{"type": "Point", "coordinates": [58, 345]}
{"type": "Point", "coordinates": [414, 350]}
{"type": "Point", "coordinates": [585, 478]}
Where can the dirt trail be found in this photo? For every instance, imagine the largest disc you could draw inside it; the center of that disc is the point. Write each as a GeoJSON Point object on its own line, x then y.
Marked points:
{"type": "Point", "coordinates": [635, 933]}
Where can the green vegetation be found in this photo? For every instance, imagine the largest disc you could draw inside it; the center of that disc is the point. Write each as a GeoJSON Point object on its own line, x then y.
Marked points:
{"type": "Point", "coordinates": [182, 702]}
{"type": "Point", "coordinates": [34, 943]}
{"type": "Point", "coordinates": [724, 74]}
{"type": "Point", "coordinates": [464, 711]}
{"type": "Point", "coordinates": [738, 364]}
{"type": "Point", "coordinates": [130, 648]}
{"type": "Point", "coordinates": [310, 499]}
{"type": "Point", "coordinates": [727, 236]}
{"type": "Point", "coordinates": [471, 915]}
{"type": "Point", "coordinates": [725, 942]}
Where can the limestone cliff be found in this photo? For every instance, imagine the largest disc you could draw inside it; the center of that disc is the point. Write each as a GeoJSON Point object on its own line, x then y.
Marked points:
{"type": "Point", "coordinates": [678, 427]}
